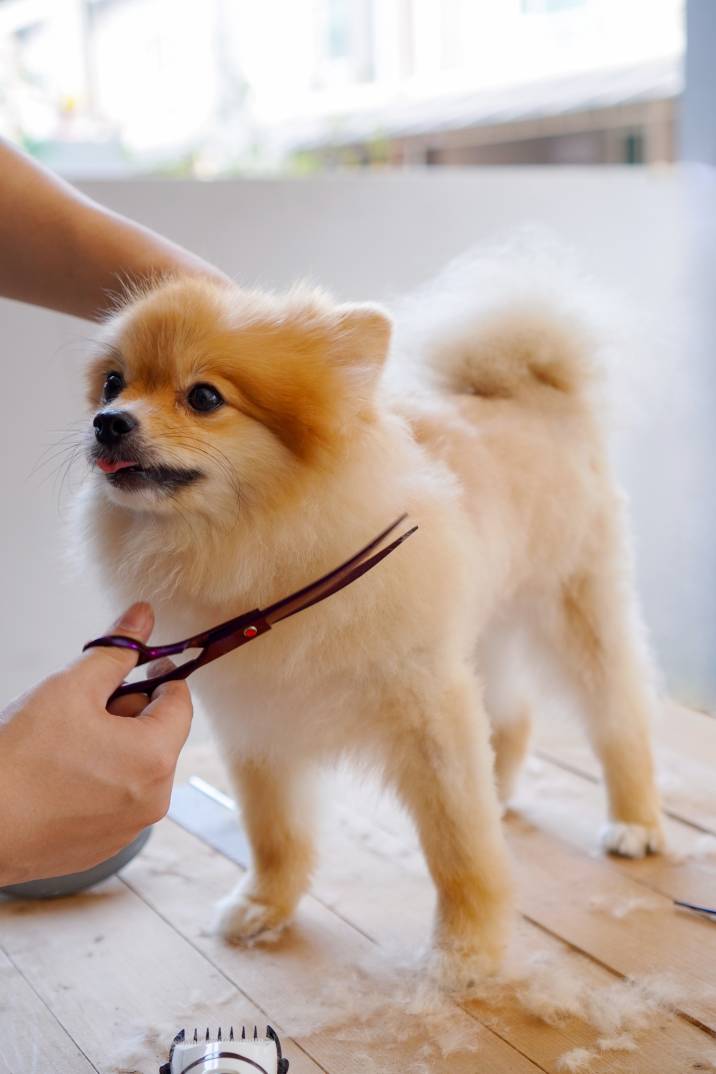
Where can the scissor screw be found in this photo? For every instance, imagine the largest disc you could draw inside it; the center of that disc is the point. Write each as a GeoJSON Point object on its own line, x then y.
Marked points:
{"type": "Point", "coordinates": [251, 632]}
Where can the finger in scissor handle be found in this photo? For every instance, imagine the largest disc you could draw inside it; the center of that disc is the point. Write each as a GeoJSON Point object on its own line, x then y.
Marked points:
{"type": "Point", "coordinates": [145, 653]}
{"type": "Point", "coordinates": [146, 687]}
{"type": "Point", "coordinates": [121, 641]}
{"type": "Point", "coordinates": [132, 704]}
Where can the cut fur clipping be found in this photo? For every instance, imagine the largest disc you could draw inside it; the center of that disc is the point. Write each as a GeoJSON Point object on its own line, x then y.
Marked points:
{"type": "Point", "coordinates": [140, 1046]}
{"type": "Point", "coordinates": [577, 1059]}
{"type": "Point", "coordinates": [702, 850]}
{"type": "Point", "coordinates": [621, 1043]}
{"type": "Point", "coordinates": [554, 990]}
{"type": "Point", "coordinates": [386, 1003]}
{"type": "Point", "coordinates": [619, 907]}
{"type": "Point", "coordinates": [383, 1001]}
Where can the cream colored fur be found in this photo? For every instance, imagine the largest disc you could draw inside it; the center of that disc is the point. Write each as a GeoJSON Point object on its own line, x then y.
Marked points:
{"type": "Point", "coordinates": [521, 560]}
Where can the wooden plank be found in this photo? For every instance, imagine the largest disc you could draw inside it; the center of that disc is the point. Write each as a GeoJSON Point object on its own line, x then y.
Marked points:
{"type": "Point", "coordinates": [119, 979]}
{"type": "Point", "coordinates": [105, 964]}
{"type": "Point", "coordinates": [556, 883]}
{"type": "Point", "coordinates": [685, 748]}
{"type": "Point", "coordinates": [374, 876]}
{"type": "Point", "coordinates": [31, 1038]}
{"type": "Point", "coordinates": [572, 808]}
{"type": "Point", "coordinates": [331, 988]}
{"type": "Point", "coordinates": [669, 1047]}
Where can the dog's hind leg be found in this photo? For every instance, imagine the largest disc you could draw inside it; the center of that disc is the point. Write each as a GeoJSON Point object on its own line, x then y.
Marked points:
{"type": "Point", "coordinates": [503, 659]}
{"type": "Point", "coordinates": [510, 741]}
{"type": "Point", "coordinates": [276, 802]}
{"type": "Point", "coordinates": [600, 641]}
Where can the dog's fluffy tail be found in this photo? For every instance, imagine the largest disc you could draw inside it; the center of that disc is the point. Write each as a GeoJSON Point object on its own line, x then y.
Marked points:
{"type": "Point", "coordinates": [506, 325]}
{"type": "Point", "coordinates": [513, 352]}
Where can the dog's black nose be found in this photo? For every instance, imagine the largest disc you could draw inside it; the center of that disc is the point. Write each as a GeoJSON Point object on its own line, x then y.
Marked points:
{"type": "Point", "coordinates": [110, 426]}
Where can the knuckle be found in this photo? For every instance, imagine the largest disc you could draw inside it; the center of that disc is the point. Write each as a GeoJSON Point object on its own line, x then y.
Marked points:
{"type": "Point", "coordinates": [149, 790]}
{"type": "Point", "coordinates": [157, 805]}
{"type": "Point", "coordinates": [163, 763]}
{"type": "Point", "coordinates": [149, 804]}
{"type": "Point", "coordinates": [135, 794]}
{"type": "Point", "coordinates": [152, 770]}
{"type": "Point", "coordinates": [162, 806]}
{"type": "Point", "coordinates": [155, 767]}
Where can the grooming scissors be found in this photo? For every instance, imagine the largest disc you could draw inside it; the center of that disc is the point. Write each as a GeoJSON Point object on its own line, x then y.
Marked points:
{"type": "Point", "coordinates": [235, 632]}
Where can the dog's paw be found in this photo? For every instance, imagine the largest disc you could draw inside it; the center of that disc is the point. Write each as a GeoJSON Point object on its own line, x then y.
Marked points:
{"type": "Point", "coordinates": [462, 966]}
{"type": "Point", "coordinates": [241, 919]}
{"type": "Point", "coordinates": [631, 840]}
{"type": "Point", "coordinates": [461, 972]}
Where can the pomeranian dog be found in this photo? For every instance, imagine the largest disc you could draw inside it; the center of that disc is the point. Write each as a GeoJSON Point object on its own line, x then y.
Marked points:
{"type": "Point", "coordinates": [245, 443]}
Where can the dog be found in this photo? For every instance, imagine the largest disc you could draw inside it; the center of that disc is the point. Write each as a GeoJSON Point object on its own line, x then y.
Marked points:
{"type": "Point", "coordinates": [244, 443]}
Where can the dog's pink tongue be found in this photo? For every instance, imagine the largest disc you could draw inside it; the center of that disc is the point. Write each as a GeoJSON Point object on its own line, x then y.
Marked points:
{"type": "Point", "coordinates": [112, 467]}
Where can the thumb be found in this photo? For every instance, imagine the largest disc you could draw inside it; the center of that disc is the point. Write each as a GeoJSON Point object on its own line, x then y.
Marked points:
{"type": "Point", "coordinates": [105, 667]}
{"type": "Point", "coordinates": [170, 712]}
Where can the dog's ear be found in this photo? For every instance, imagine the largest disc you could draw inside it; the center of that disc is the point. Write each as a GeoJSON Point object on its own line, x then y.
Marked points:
{"type": "Point", "coordinates": [362, 338]}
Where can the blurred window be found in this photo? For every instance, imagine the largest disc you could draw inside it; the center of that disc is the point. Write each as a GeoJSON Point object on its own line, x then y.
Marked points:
{"type": "Point", "coordinates": [533, 6]}
{"type": "Point", "coordinates": [338, 28]}
{"type": "Point", "coordinates": [216, 87]}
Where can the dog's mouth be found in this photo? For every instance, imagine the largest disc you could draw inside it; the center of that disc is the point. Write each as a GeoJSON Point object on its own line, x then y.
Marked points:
{"type": "Point", "coordinates": [133, 475]}
{"type": "Point", "coordinates": [110, 466]}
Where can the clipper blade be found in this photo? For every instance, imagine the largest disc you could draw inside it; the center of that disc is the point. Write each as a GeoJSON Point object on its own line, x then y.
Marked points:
{"type": "Point", "coordinates": [238, 1051]}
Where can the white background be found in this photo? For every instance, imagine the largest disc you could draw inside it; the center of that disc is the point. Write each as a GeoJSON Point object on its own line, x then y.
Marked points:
{"type": "Point", "coordinates": [649, 235]}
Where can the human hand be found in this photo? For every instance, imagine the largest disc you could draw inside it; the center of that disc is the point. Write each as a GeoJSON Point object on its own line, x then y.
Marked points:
{"type": "Point", "coordinates": [78, 782]}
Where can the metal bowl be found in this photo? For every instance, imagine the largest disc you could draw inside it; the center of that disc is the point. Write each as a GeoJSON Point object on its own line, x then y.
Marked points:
{"type": "Point", "coordinates": [55, 887]}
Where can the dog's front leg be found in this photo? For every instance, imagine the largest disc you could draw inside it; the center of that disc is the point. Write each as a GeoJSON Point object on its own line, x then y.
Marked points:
{"type": "Point", "coordinates": [276, 800]}
{"type": "Point", "coordinates": [441, 763]}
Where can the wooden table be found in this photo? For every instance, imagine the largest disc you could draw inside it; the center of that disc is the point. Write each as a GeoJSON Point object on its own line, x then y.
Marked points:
{"type": "Point", "coordinates": [101, 981]}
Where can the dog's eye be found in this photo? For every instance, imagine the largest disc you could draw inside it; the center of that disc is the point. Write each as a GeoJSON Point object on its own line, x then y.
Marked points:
{"type": "Point", "coordinates": [113, 384]}
{"type": "Point", "coordinates": [203, 398]}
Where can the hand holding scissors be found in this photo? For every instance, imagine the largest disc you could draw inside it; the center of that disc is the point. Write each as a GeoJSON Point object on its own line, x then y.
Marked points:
{"type": "Point", "coordinates": [236, 632]}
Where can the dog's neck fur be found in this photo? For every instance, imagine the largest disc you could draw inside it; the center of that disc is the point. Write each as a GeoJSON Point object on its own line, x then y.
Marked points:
{"type": "Point", "coordinates": [267, 552]}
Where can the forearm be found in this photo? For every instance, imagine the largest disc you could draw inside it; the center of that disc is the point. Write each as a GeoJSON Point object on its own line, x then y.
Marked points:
{"type": "Point", "coordinates": [61, 250]}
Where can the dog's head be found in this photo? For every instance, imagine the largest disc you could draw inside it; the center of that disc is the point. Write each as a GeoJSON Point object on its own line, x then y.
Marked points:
{"type": "Point", "coordinates": [205, 396]}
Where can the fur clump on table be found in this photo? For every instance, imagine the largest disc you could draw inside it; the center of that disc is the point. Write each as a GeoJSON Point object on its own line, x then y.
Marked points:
{"type": "Point", "coordinates": [385, 1003]}
{"type": "Point", "coordinates": [619, 906]}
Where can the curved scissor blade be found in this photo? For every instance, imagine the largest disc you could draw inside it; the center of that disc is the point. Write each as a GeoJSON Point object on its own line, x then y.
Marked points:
{"type": "Point", "coordinates": [276, 611]}
{"type": "Point", "coordinates": [331, 583]}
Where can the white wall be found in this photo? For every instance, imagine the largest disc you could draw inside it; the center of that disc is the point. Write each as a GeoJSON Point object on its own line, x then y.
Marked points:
{"type": "Point", "coordinates": [650, 235]}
